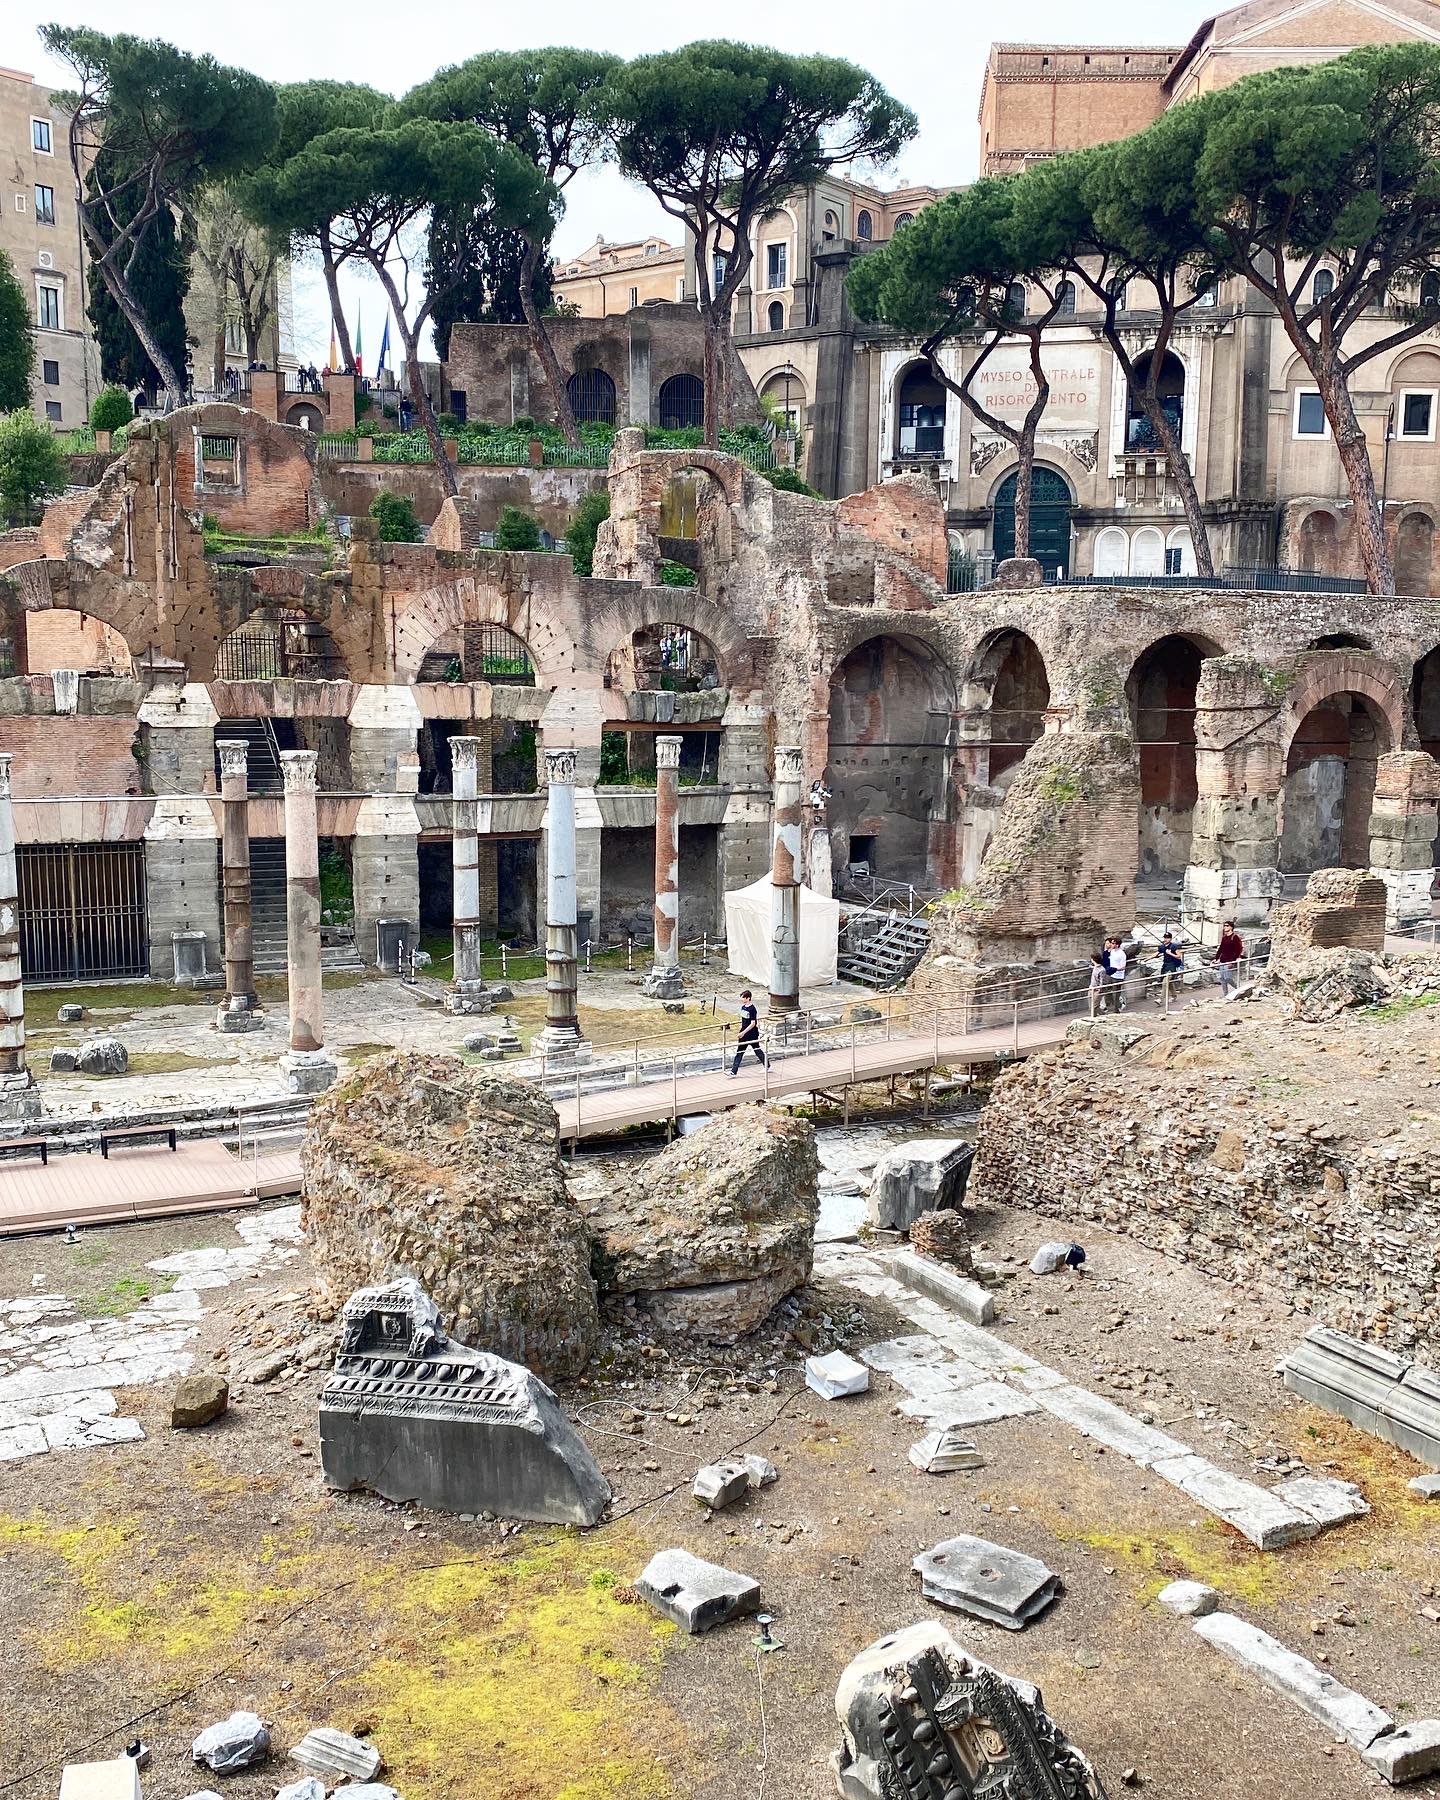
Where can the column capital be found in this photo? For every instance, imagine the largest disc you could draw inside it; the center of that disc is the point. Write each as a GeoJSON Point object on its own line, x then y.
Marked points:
{"type": "Point", "coordinates": [560, 767]}
{"type": "Point", "coordinates": [788, 762]}
{"type": "Point", "coordinates": [298, 768]}
{"type": "Point", "coordinates": [667, 752]}
{"type": "Point", "coordinates": [234, 757]}
{"type": "Point", "coordinates": [4, 774]}
{"type": "Point", "coordinates": [465, 754]}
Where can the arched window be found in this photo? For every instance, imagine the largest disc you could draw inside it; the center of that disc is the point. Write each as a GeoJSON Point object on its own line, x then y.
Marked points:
{"type": "Point", "coordinates": [592, 397]}
{"type": "Point", "coordinates": [1323, 284]}
{"type": "Point", "coordinates": [1050, 503]}
{"type": "Point", "coordinates": [1179, 552]}
{"type": "Point", "coordinates": [777, 315]}
{"type": "Point", "coordinates": [832, 227]}
{"type": "Point", "coordinates": [1066, 299]}
{"type": "Point", "coordinates": [1430, 291]}
{"type": "Point", "coordinates": [862, 224]}
{"type": "Point", "coordinates": [903, 219]}
{"type": "Point", "coordinates": [682, 403]}
{"type": "Point", "coordinates": [1015, 300]}
{"type": "Point", "coordinates": [1140, 434]}
{"type": "Point", "coordinates": [1118, 294]}
{"type": "Point", "coordinates": [921, 414]}
{"type": "Point", "coordinates": [1147, 552]}
{"type": "Point", "coordinates": [1207, 295]}
{"type": "Point", "coordinates": [1112, 552]}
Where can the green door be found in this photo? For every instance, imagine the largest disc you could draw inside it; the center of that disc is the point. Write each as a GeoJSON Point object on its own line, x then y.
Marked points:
{"type": "Point", "coordinates": [1050, 504]}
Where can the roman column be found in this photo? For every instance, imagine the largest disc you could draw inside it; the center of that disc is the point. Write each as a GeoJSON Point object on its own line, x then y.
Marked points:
{"type": "Point", "coordinates": [309, 1066]}
{"type": "Point", "coordinates": [18, 1099]}
{"type": "Point", "coordinates": [468, 993]}
{"type": "Point", "coordinates": [785, 884]}
{"type": "Point", "coordinates": [238, 1011]}
{"type": "Point", "coordinates": [562, 1020]}
{"type": "Point", "coordinates": [665, 982]}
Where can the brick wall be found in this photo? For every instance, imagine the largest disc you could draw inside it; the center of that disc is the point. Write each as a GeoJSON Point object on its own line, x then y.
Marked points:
{"type": "Point", "coordinates": [71, 756]}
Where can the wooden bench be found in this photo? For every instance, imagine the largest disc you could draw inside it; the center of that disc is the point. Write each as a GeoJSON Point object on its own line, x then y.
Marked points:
{"type": "Point", "coordinates": [25, 1146]}
{"type": "Point", "coordinates": [134, 1134]}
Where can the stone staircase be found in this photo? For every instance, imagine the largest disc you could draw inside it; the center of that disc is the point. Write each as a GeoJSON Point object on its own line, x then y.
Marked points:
{"type": "Point", "coordinates": [884, 959]}
{"type": "Point", "coordinates": [263, 753]}
{"type": "Point", "coordinates": [267, 917]}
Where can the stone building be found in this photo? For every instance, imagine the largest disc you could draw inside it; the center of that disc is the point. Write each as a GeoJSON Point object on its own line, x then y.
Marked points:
{"type": "Point", "coordinates": [1051, 753]}
{"type": "Point", "coordinates": [616, 278]}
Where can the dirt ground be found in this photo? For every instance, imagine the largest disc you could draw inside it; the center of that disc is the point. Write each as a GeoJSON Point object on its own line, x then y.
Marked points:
{"type": "Point", "coordinates": [153, 1587]}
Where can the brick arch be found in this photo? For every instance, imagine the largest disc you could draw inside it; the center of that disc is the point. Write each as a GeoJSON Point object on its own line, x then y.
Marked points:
{"type": "Point", "coordinates": [415, 621]}
{"type": "Point", "coordinates": [616, 623]}
{"type": "Point", "coordinates": [728, 472]}
{"type": "Point", "coordinates": [909, 629]}
{"type": "Point", "coordinates": [1330, 673]}
{"type": "Point", "coordinates": [127, 606]}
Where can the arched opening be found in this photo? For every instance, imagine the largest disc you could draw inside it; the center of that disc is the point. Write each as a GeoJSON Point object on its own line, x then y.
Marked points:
{"type": "Point", "coordinates": [1050, 503]}
{"type": "Point", "coordinates": [682, 403]}
{"type": "Point", "coordinates": [279, 645]}
{"type": "Point", "coordinates": [1013, 718]}
{"type": "Point", "coordinates": [1179, 552]}
{"type": "Point", "coordinates": [1425, 695]}
{"type": "Point", "coordinates": [669, 658]}
{"type": "Point", "coordinates": [863, 226]}
{"type": "Point", "coordinates": [776, 315]}
{"type": "Point", "coordinates": [680, 509]}
{"type": "Point", "coordinates": [1161, 695]}
{"type": "Point", "coordinates": [592, 397]}
{"type": "Point", "coordinates": [1140, 434]}
{"type": "Point", "coordinates": [1339, 640]}
{"type": "Point", "coordinates": [1320, 543]}
{"type": "Point", "coordinates": [1112, 553]}
{"type": "Point", "coordinates": [1015, 300]}
{"type": "Point", "coordinates": [1322, 286]}
{"type": "Point", "coordinates": [59, 638]}
{"type": "Point", "coordinates": [490, 653]}
{"type": "Point", "coordinates": [1330, 785]}
{"type": "Point", "coordinates": [892, 702]}
{"type": "Point", "coordinates": [784, 394]}
{"type": "Point", "coordinates": [306, 415]}
{"type": "Point", "coordinates": [832, 227]}
{"type": "Point", "coordinates": [920, 413]}
{"type": "Point", "coordinates": [1414, 547]}
{"type": "Point", "coordinates": [903, 219]}
{"type": "Point", "coordinates": [1066, 300]}
{"type": "Point", "coordinates": [1147, 552]}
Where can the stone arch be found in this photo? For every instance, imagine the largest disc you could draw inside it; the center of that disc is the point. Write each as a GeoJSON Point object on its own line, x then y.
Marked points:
{"type": "Point", "coordinates": [648, 610]}
{"type": "Point", "coordinates": [127, 606]}
{"type": "Point", "coordinates": [415, 622]}
{"type": "Point", "coordinates": [919, 407]}
{"type": "Point", "coordinates": [728, 472]}
{"type": "Point", "coordinates": [1425, 700]}
{"type": "Point", "coordinates": [1004, 702]}
{"type": "Point", "coordinates": [1414, 552]}
{"type": "Point", "coordinates": [668, 657]}
{"type": "Point", "coordinates": [305, 415]}
{"type": "Point", "coordinates": [891, 725]}
{"type": "Point", "coordinates": [1318, 542]}
{"type": "Point", "coordinates": [63, 637]}
{"type": "Point", "coordinates": [1160, 693]}
{"type": "Point", "coordinates": [1345, 711]}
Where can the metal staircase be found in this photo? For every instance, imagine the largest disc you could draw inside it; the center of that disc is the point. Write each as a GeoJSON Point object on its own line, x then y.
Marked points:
{"type": "Point", "coordinates": [887, 956]}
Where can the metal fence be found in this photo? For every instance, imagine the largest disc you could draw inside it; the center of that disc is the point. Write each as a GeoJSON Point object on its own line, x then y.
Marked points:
{"type": "Point", "coordinates": [82, 912]}
{"type": "Point", "coordinates": [81, 441]}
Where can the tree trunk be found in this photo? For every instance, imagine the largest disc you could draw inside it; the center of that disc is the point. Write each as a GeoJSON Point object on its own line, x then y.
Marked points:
{"type": "Point", "coordinates": [725, 371]}
{"type": "Point", "coordinates": [1375, 551]}
{"type": "Point", "coordinates": [411, 340]}
{"type": "Point", "coordinates": [170, 379]}
{"type": "Point", "coordinates": [337, 312]}
{"type": "Point", "coordinates": [712, 377]}
{"type": "Point", "coordinates": [218, 354]}
{"type": "Point", "coordinates": [544, 349]}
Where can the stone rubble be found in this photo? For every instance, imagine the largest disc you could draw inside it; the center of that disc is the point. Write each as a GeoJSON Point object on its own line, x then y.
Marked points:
{"type": "Point", "coordinates": [239, 1742]}
{"type": "Point", "coordinates": [836, 1375]}
{"type": "Point", "coordinates": [922, 1175]}
{"type": "Point", "coordinates": [989, 1581]}
{"type": "Point", "coordinates": [945, 1452]}
{"type": "Point", "coordinates": [326, 1751]}
{"type": "Point", "coordinates": [696, 1594]}
{"type": "Point", "coordinates": [198, 1400]}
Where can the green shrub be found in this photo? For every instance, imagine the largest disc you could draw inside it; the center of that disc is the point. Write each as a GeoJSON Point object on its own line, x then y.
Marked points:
{"type": "Point", "coordinates": [111, 409]}
{"type": "Point", "coordinates": [517, 530]}
{"type": "Point", "coordinates": [674, 574]}
{"type": "Point", "coordinates": [32, 465]}
{"type": "Point", "coordinates": [584, 523]}
{"type": "Point", "coordinates": [526, 424]}
{"type": "Point", "coordinates": [449, 424]}
{"type": "Point", "coordinates": [363, 404]}
{"type": "Point", "coordinates": [790, 481]}
{"type": "Point", "coordinates": [395, 515]}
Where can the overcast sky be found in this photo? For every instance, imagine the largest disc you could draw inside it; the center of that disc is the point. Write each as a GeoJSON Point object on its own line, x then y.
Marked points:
{"type": "Point", "coordinates": [928, 54]}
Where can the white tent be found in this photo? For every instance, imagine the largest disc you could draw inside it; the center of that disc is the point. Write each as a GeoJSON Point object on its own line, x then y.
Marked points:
{"type": "Point", "coordinates": [747, 934]}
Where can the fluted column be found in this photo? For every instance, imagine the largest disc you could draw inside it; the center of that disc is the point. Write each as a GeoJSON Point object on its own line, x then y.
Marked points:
{"type": "Point", "coordinates": [562, 1018]}
{"type": "Point", "coordinates": [309, 1066]}
{"type": "Point", "coordinates": [665, 981]}
{"type": "Point", "coordinates": [17, 1085]}
{"type": "Point", "coordinates": [785, 883]}
{"type": "Point", "coordinates": [239, 1007]}
{"type": "Point", "coordinates": [468, 993]}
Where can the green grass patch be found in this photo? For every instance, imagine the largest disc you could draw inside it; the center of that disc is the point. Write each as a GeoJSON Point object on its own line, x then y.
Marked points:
{"type": "Point", "coordinates": [124, 1294]}
{"type": "Point", "coordinates": [111, 997]}
{"type": "Point", "coordinates": [1399, 1009]}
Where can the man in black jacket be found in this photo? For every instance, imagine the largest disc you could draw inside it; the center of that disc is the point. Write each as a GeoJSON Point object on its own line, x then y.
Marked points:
{"type": "Point", "coordinates": [749, 1038]}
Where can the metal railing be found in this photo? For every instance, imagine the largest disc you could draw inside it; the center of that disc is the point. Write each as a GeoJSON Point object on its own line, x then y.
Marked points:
{"type": "Point", "coordinates": [939, 1034]}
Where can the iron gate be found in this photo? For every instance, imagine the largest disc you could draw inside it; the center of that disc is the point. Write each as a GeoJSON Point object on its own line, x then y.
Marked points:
{"type": "Point", "coordinates": [82, 912]}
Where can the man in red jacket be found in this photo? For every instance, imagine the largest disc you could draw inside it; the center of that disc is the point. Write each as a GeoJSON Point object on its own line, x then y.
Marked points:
{"type": "Point", "coordinates": [1232, 948]}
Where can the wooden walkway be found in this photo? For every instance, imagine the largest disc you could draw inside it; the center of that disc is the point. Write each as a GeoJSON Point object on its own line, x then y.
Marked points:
{"type": "Point", "coordinates": [142, 1183]}
{"type": "Point", "coordinates": [607, 1110]}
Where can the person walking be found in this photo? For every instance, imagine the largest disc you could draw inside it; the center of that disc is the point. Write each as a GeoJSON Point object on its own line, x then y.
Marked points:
{"type": "Point", "coordinates": [1172, 963]}
{"type": "Point", "coordinates": [1097, 982]}
{"type": "Point", "coordinates": [749, 1038]}
{"type": "Point", "coordinates": [1227, 958]}
{"type": "Point", "coordinates": [1116, 964]}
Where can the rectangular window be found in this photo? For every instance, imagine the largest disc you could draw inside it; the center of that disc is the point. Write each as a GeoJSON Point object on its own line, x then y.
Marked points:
{"type": "Point", "coordinates": [44, 205]}
{"type": "Point", "coordinates": [40, 136]}
{"type": "Point", "coordinates": [52, 411]}
{"type": "Point", "coordinates": [1417, 414]}
{"type": "Point", "coordinates": [20, 203]}
{"type": "Point", "coordinates": [50, 373]}
{"type": "Point", "coordinates": [775, 266]}
{"type": "Point", "coordinates": [634, 296]}
{"type": "Point", "coordinates": [922, 430]}
{"type": "Point", "coordinates": [717, 274]}
{"type": "Point", "coordinates": [1172, 560]}
{"type": "Point", "coordinates": [1309, 414]}
{"type": "Point", "coordinates": [48, 314]}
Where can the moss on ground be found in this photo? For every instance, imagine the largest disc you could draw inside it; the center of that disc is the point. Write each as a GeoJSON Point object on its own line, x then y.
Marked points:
{"type": "Point", "coordinates": [123, 1295]}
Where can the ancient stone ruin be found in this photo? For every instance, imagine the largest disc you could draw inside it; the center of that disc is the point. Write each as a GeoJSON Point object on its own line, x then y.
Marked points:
{"type": "Point", "coordinates": [422, 1166]}
{"type": "Point", "coordinates": [711, 1234]}
{"type": "Point", "coordinates": [920, 1718]}
{"type": "Point", "coordinates": [416, 1417]}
